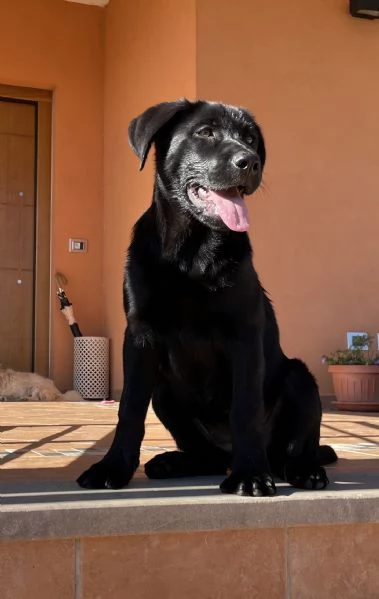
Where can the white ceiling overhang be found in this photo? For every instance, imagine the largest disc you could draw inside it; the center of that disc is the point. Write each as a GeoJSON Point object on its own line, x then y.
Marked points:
{"type": "Point", "coordinates": [91, 2]}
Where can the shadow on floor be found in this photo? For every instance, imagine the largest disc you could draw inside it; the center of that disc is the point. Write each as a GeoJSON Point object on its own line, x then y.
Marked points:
{"type": "Point", "coordinates": [359, 478]}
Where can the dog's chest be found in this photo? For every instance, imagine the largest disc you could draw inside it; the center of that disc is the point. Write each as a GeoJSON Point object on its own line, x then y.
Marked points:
{"type": "Point", "coordinates": [188, 309]}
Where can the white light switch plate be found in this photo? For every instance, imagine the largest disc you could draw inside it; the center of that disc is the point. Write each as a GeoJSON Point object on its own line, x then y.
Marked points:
{"type": "Point", "coordinates": [77, 245]}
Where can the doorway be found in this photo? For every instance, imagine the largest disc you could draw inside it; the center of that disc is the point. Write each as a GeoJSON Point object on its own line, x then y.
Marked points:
{"type": "Point", "coordinates": [25, 148]}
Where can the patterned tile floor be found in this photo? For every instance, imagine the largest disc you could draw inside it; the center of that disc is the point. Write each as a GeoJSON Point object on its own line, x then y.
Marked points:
{"type": "Point", "coordinates": [57, 441]}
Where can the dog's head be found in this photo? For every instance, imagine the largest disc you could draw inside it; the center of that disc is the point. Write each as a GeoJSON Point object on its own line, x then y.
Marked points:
{"type": "Point", "coordinates": [208, 157]}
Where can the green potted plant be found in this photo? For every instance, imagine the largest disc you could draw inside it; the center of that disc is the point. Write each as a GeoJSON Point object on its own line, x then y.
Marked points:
{"type": "Point", "coordinates": [355, 375]}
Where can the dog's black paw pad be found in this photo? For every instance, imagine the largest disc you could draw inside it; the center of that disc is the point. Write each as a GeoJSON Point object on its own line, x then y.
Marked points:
{"type": "Point", "coordinates": [313, 480]}
{"type": "Point", "coordinates": [159, 467]}
{"type": "Point", "coordinates": [246, 485]}
{"type": "Point", "coordinates": [105, 476]}
{"type": "Point", "coordinates": [93, 478]}
{"type": "Point", "coordinates": [116, 482]}
{"type": "Point", "coordinates": [178, 464]}
{"type": "Point", "coordinates": [172, 464]}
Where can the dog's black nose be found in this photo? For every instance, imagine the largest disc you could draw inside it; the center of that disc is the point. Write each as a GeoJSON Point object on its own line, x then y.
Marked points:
{"type": "Point", "coordinates": [245, 161]}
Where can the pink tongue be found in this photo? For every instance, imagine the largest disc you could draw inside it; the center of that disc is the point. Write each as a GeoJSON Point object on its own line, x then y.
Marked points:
{"type": "Point", "coordinates": [231, 208]}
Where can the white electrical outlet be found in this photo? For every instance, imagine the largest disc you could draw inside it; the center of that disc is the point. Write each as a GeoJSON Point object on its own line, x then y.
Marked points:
{"type": "Point", "coordinates": [350, 338]}
{"type": "Point", "coordinates": [77, 245]}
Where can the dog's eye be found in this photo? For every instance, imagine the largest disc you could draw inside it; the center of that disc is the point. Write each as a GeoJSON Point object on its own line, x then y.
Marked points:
{"type": "Point", "coordinates": [205, 132]}
{"type": "Point", "coordinates": [250, 140]}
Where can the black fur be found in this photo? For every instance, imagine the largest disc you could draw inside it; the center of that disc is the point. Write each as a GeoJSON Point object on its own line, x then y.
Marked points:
{"type": "Point", "coordinates": [202, 338]}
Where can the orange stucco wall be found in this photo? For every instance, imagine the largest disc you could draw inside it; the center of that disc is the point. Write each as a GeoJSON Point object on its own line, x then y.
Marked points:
{"type": "Point", "coordinates": [310, 73]}
{"type": "Point", "coordinates": [57, 45]}
{"type": "Point", "coordinates": [149, 58]}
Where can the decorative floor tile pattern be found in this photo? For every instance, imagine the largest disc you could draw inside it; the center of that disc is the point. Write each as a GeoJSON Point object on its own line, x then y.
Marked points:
{"type": "Point", "coordinates": [41, 441]}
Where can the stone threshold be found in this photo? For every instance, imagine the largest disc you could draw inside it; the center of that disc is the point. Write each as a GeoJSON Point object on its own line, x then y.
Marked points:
{"type": "Point", "coordinates": [51, 510]}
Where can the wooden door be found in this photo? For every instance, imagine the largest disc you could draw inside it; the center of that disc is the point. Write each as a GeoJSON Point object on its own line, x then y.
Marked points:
{"type": "Point", "coordinates": [17, 233]}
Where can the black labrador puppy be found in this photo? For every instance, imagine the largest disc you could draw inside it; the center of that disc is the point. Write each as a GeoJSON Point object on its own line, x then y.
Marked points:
{"type": "Point", "coordinates": [202, 339]}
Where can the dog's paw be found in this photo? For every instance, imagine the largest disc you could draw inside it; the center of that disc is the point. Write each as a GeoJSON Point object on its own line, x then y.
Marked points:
{"type": "Point", "coordinates": [172, 464]}
{"type": "Point", "coordinates": [106, 474]}
{"type": "Point", "coordinates": [313, 478]}
{"type": "Point", "coordinates": [242, 483]}
{"type": "Point", "coordinates": [177, 464]}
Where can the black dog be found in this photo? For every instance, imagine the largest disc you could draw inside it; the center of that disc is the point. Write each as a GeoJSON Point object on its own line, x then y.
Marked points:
{"type": "Point", "coordinates": [202, 338]}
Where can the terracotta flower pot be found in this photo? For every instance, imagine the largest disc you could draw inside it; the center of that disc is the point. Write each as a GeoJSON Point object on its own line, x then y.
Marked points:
{"type": "Point", "coordinates": [356, 387]}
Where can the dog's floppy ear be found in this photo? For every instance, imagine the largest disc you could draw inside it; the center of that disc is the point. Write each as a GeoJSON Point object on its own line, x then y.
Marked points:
{"type": "Point", "coordinates": [261, 150]}
{"type": "Point", "coordinates": [144, 128]}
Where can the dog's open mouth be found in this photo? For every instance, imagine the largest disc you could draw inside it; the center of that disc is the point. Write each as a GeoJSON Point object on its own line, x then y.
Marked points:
{"type": "Point", "coordinates": [228, 204]}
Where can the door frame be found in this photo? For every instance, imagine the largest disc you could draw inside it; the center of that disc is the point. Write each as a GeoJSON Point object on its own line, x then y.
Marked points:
{"type": "Point", "coordinates": [42, 279]}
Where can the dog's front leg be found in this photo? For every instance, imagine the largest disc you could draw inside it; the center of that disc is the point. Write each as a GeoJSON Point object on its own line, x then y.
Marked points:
{"type": "Point", "coordinates": [118, 466]}
{"type": "Point", "coordinates": [250, 473]}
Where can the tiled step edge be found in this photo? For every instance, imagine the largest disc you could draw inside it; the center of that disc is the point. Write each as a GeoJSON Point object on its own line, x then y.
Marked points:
{"type": "Point", "coordinates": [122, 515]}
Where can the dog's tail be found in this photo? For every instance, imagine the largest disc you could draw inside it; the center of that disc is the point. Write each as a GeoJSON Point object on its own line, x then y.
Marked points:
{"type": "Point", "coordinates": [71, 396]}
